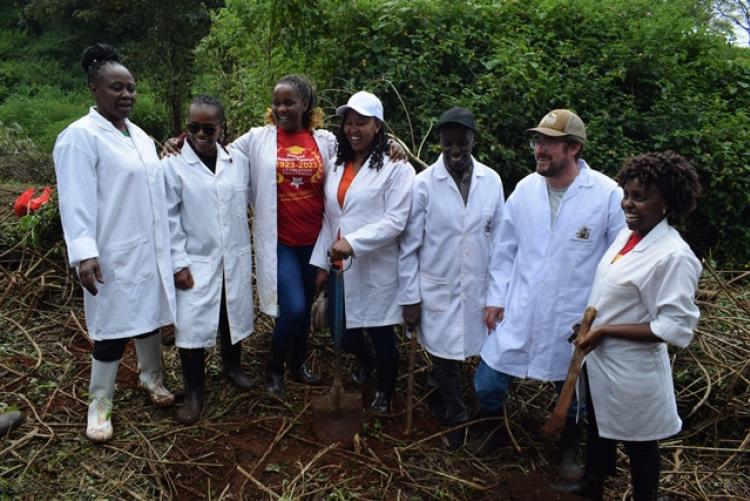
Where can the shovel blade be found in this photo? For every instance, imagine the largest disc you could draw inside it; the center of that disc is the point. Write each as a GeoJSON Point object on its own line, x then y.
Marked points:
{"type": "Point", "coordinates": [337, 423]}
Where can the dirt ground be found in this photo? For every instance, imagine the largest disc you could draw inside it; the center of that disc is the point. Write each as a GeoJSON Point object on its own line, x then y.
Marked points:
{"type": "Point", "coordinates": [253, 446]}
{"type": "Point", "coordinates": [247, 445]}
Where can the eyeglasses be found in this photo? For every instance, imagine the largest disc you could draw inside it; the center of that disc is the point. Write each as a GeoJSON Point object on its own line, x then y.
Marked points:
{"type": "Point", "coordinates": [208, 129]}
{"type": "Point", "coordinates": [545, 141]}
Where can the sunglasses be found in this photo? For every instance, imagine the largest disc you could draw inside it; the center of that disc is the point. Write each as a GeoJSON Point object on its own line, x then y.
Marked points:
{"type": "Point", "coordinates": [208, 129]}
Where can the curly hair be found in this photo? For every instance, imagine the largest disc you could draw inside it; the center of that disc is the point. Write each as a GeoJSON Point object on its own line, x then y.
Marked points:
{"type": "Point", "coordinates": [672, 174]}
{"type": "Point", "coordinates": [95, 58]}
{"type": "Point", "coordinates": [378, 149]}
{"type": "Point", "coordinates": [312, 117]}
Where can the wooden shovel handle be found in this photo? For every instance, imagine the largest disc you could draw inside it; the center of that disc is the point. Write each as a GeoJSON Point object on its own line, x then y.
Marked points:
{"type": "Point", "coordinates": [410, 382]}
{"type": "Point", "coordinates": [556, 421]}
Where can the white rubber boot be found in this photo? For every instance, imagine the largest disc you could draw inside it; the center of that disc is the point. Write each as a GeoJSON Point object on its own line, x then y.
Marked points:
{"type": "Point", "coordinates": [101, 390]}
{"type": "Point", "coordinates": [149, 370]}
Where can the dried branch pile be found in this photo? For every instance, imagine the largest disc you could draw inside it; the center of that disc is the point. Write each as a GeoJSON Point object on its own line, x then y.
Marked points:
{"type": "Point", "coordinates": [251, 446]}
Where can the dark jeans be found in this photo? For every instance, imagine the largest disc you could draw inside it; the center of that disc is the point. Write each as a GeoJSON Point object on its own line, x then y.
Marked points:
{"type": "Point", "coordinates": [448, 375]}
{"type": "Point", "coordinates": [601, 456]}
{"type": "Point", "coordinates": [383, 340]}
{"type": "Point", "coordinates": [296, 284]}
{"type": "Point", "coordinates": [110, 350]}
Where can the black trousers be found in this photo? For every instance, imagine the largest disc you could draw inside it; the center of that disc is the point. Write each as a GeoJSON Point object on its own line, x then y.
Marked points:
{"type": "Point", "coordinates": [448, 375]}
{"type": "Point", "coordinates": [601, 456]}
{"type": "Point", "coordinates": [110, 350]}
{"type": "Point", "coordinates": [383, 341]}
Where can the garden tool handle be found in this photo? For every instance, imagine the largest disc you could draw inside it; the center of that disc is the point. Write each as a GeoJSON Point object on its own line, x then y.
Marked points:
{"type": "Point", "coordinates": [556, 421]}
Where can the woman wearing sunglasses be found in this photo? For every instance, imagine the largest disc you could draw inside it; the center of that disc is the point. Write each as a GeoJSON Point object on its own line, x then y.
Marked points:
{"type": "Point", "coordinates": [207, 199]}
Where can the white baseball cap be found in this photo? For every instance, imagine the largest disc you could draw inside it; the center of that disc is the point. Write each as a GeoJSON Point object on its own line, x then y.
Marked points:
{"type": "Point", "coordinates": [364, 103]}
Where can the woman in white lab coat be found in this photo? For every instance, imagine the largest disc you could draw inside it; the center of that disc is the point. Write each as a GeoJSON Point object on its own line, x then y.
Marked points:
{"type": "Point", "coordinates": [289, 159]}
{"type": "Point", "coordinates": [207, 199]}
{"type": "Point", "coordinates": [367, 200]}
{"type": "Point", "coordinates": [644, 292]}
{"type": "Point", "coordinates": [113, 212]}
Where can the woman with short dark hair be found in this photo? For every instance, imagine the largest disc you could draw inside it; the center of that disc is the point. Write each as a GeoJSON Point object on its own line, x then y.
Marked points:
{"type": "Point", "coordinates": [644, 292]}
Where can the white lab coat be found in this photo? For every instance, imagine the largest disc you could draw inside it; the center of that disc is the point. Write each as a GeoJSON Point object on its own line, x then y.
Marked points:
{"type": "Point", "coordinates": [210, 235]}
{"type": "Point", "coordinates": [444, 257]}
{"type": "Point", "coordinates": [542, 275]}
{"type": "Point", "coordinates": [375, 212]}
{"type": "Point", "coordinates": [259, 145]}
{"type": "Point", "coordinates": [112, 207]}
{"type": "Point", "coordinates": [631, 382]}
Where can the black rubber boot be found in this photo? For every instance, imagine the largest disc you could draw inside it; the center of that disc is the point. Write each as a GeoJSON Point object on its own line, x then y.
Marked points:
{"type": "Point", "coordinates": [231, 354]}
{"type": "Point", "coordinates": [489, 436]}
{"type": "Point", "coordinates": [194, 376]}
{"type": "Point", "coordinates": [570, 451]}
{"type": "Point", "coordinates": [455, 439]}
{"type": "Point", "coordinates": [303, 375]}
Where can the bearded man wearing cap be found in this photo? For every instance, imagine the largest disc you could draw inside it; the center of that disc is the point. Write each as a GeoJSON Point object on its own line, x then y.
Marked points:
{"type": "Point", "coordinates": [557, 224]}
{"type": "Point", "coordinates": [457, 205]}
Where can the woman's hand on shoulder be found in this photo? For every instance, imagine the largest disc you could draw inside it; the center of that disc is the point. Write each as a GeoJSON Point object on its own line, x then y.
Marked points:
{"type": "Point", "coordinates": [396, 152]}
{"type": "Point", "coordinates": [172, 146]}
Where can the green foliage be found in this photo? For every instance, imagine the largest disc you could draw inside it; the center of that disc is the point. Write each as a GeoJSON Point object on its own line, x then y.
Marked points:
{"type": "Point", "coordinates": [643, 75]}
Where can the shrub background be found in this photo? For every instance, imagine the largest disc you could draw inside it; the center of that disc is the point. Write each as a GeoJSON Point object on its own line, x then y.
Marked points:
{"type": "Point", "coordinates": [643, 75]}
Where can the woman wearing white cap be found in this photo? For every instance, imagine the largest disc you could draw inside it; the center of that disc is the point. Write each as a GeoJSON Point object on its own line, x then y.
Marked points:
{"type": "Point", "coordinates": [367, 198]}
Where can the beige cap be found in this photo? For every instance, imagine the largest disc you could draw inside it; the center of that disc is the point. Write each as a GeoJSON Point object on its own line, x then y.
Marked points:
{"type": "Point", "coordinates": [558, 123]}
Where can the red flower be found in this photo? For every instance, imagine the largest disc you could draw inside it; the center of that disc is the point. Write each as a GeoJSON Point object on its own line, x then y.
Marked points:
{"type": "Point", "coordinates": [25, 204]}
{"type": "Point", "coordinates": [21, 205]}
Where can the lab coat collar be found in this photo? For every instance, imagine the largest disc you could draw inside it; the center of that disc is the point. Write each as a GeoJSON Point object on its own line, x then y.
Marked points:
{"type": "Point", "coordinates": [223, 158]}
{"type": "Point", "coordinates": [658, 231]}
{"type": "Point", "coordinates": [105, 124]}
{"type": "Point", "coordinates": [441, 171]}
{"type": "Point", "coordinates": [102, 122]}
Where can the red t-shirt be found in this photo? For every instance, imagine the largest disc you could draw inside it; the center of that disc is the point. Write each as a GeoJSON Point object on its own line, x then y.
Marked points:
{"type": "Point", "coordinates": [299, 178]}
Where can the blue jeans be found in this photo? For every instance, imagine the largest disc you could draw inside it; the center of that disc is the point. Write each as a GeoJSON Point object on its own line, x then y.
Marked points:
{"type": "Point", "coordinates": [296, 283]}
{"type": "Point", "coordinates": [492, 386]}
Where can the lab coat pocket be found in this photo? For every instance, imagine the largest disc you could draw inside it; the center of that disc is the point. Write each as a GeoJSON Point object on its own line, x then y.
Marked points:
{"type": "Point", "coordinates": [641, 376]}
{"type": "Point", "coordinates": [240, 201]}
{"type": "Point", "coordinates": [434, 292]}
{"type": "Point", "coordinates": [133, 260]}
{"type": "Point", "coordinates": [200, 268]}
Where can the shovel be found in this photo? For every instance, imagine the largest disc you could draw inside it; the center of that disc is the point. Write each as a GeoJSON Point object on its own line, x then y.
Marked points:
{"type": "Point", "coordinates": [337, 415]}
{"type": "Point", "coordinates": [556, 421]}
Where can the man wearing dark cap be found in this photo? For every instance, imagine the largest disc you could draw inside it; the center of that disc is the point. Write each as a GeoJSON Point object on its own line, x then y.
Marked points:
{"type": "Point", "coordinates": [557, 224]}
{"type": "Point", "coordinates": [457, 205]}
